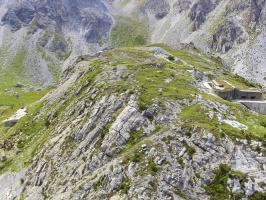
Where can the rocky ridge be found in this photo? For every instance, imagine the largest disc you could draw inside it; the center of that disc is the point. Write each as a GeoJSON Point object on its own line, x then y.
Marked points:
{"type": "Point", "coordinates": [136, 123]}
{"type": "Point", "coordinates": [233, 30]}
{"type": "Point", "coordinates": [52, 34]}
{"type": "Point", "coordinates": [130, 123]}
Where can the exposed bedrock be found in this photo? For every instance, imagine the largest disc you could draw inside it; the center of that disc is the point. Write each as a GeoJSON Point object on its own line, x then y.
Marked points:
{"type": "Point", "coordinates": [227, 35]}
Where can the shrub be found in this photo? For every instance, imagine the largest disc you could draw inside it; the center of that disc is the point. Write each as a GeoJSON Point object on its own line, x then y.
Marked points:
{"type": "Point", "coordinates": [171, 58]}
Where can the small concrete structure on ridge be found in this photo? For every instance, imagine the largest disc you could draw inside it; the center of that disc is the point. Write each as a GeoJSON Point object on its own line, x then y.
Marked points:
{"type": "Point", "coordinates": [251, 98]}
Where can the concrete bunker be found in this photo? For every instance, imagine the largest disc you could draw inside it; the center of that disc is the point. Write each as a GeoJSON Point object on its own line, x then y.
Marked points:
{"type": "Point", "coordinates": [251, 98]}
{"type": "Point", "coordinates": [236, 94]}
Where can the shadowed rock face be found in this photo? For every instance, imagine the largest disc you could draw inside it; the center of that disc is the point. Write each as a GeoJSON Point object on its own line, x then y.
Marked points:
{"type": "Point", "coordinates": [160, 8]}
{"type": "Point", "coordinates": [19, 16]}
{"type": "Point", "coordinates": [199, 12]}
{"type": "Point", "coordinates": [52, 33]}
{"type": "Point", "coordinates": [88, 16]}
{"type": "Point", "coordinates": [254, 11]}
{"type": "Point", "coordinates": [227, 35]}
{"type": "Point", "coordinates": [182, 5]}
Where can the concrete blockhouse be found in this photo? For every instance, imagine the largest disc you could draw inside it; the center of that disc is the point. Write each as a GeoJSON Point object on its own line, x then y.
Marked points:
{"type": "Point", "coordinates": [236, 94]}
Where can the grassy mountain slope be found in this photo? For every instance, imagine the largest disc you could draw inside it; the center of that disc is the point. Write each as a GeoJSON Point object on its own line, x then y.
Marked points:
{"type": "Point", "coordinates": [134, 118]}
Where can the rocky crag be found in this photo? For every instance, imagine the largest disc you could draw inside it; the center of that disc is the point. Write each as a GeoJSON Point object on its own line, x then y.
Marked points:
{"type": "Point", "coordinates": [137, 123]}
{"type": "Point", "coordinates": [50, 34]}
{"type": "Point", "coordinates": [134, 121]}
{"type": "Point", "coordinates": [234, 30]}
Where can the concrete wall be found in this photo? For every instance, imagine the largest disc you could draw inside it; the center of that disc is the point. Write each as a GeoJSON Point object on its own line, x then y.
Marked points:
{"type": "Point", "coordinates": [235, 94]}
{"type": "Point", "coordinates": [252, 95]}
{"type": "Point", "coordinates": [259, 107]}
{"type": "Point", "coordinates": [227, 95]}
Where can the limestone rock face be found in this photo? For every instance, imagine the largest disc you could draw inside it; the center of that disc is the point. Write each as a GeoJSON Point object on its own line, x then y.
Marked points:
{"type": "Point", "coordinates": [55, 32]}
{"type": "Point", "coordinates": [158, 8]}
{"type": "Point", "coordinates": [229, 35]}
{"type": "Point", "coordinates": [122, 125]}
{"type": "Point", "coordinates": [89, 16]}
{"type": "Point", "coordinates": [18, 17]}
{"type": "Point", "coordinates": [200, 11]}
{"type": "Point", "coordinates": [233, 30]}
{"type": "Point", "coordinates": [182, 5]}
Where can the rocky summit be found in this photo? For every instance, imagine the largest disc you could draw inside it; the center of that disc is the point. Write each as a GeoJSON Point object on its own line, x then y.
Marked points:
{"type": "Point", "coordinates": [130, 99]}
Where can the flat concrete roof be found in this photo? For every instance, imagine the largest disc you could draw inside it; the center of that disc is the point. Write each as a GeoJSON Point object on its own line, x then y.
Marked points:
{"type": "Point", "coordinates": [249, 101]}
{"type": "Point", "coordinates": [247, 90]}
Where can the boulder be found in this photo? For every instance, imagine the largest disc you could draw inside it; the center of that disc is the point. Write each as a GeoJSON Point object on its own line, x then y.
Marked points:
{"type": "Point", "coordinates": [10, 122]}
{"type": "Point", "coordinates": [7, 90]}
{"type": "Point", "coordinates": [19, 85]}
{"type": "Point", "coordinates": [15, 94]}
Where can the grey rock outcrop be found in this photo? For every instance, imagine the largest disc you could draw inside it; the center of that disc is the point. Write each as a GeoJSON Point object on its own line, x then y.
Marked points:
{"type": "Point", "coordinates": [200, 11]}
{"type": "Point", "coordinates": [182, 5]}
{"type": "Point", "coordinates": [81, 15]}
{"type": "Point", "coordinates": [158, 8]}
{"type": "Point", "coordinates": [55, 32]}
{"type": "Point", "coordinates": [103, 144]}
{"type": "Point", "coordinates": [228, 35]}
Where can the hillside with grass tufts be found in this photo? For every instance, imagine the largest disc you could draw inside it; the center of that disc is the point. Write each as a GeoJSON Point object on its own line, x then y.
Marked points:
{"type": "Point", "coordinates": [119, 100]}
{"type": "Point", "coordinates": [49, 35]}
{"type": "Point", "coordinates": [231, 29]}
{"type": "Point", "coordinates": [136, 123]}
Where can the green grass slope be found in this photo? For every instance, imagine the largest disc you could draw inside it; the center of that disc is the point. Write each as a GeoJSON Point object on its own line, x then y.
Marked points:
{"type": "Point", "coordinates": [148, 81]}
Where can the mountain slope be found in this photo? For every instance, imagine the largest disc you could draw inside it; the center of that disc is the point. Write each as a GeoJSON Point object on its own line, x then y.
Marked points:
{"type": "Point", "coordinates": [125, 119]}
{"type": "Point", "coordinates": [50, 33]}
{"type": "Point", "coordinates": [233, 30]}
{"type": "Point", "coordinates": [137, 123]}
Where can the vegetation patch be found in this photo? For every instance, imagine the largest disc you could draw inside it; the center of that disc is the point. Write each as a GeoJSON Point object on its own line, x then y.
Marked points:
{"type": "Point", "coordinates": [98, 184]}
{"type": "Point", "coordinates": [153, 85]}
{"type": "Point", "coordinates": [180, 161]}
{"type": "Point", "coordinates": [125, 186]}
{"type": "Point", "coordinates": [129, 32]}
{"type": "Point", "coordinates": [135, 137]}
{"type": "Point", "coordinates": [196, 115]}
{"type": "Point", "coordinates": [190, 150]}
{"type": "Point", "coordinates": [28, 136]}
{"type": "Point", "coordinates": [152, 167]}
{"type": "Point", "coordinates": [218, 189]}
{"type": "Point", "coordinates": [258, 196]}
{"type": "Point", "coordinates": [68, 145]}
{"type": "Point", "coordinates": [135, 156]}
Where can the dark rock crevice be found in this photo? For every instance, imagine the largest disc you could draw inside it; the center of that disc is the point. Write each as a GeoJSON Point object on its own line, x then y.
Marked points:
{"type": "Point", "coordinates": [227, 35]}
{"type": "Point", "coordinates": [159, 8]}
{"type": "Point", "coordinates": [200, 11]}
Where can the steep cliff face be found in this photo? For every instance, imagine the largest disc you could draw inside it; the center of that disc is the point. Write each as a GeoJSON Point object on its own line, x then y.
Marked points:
{"type": "Point", "coordinates": [199, 12]}
{"type": "Point", "coordinates": [234, 30]}
{"type": "Point", "coordinates": [130, 122]}
{"type": "Point", "coordinates": [54, 33]}
{"type": "Point", "coordinates": [51, 32]}
{"type": "Point", "coordinates": [228, 35]}
{"type": "Point", "coordinates": [157, 8]}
